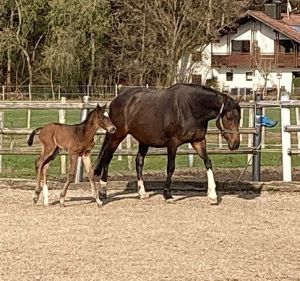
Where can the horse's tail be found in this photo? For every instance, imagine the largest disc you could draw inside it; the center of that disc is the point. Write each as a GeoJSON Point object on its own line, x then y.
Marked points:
{"type": "Point", "coordinates": [33, 133]}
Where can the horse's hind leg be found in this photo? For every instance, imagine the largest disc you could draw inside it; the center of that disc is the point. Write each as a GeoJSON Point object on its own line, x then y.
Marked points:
{"type": "Point", "coordinates": [70, 178]}
{"type": "Point", "coordinates": [90, 172]}
{"type": "Point", "coordinates": [139, 163]}
{"type": "Point", "coordinates": [170, 170]}
{"type": "Point", "coordinates": [200, 147]}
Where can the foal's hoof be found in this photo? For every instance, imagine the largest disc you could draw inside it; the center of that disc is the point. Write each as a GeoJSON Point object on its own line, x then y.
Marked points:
{"type": "Point", "coordinates": [213, 201]}
{"type": "Point", "coordinates": [35, 200]}
{"type": "Point", "coordinates": [62, 205]}
{"type": "Point", "coordinates": [144, 196]}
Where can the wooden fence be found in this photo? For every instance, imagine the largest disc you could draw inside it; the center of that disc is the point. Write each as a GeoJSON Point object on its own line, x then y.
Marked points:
{"type": "Point", "coordinates": [249, 130]}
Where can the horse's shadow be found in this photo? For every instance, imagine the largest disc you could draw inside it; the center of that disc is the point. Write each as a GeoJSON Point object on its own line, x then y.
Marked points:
{"type": "Point", "coordinates": [189, 189]}
{"type": "Point", "coordinates": [184, 190]}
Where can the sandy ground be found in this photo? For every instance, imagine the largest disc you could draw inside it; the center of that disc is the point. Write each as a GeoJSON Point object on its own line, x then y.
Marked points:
{"type": "Point", "coordinates": [245, 237]}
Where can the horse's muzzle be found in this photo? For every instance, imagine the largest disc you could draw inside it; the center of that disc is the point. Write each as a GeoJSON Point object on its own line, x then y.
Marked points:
{"type": "Point", "coordinates": [234, 145]}
{"type": "Point", "coordinates": [111, 129]}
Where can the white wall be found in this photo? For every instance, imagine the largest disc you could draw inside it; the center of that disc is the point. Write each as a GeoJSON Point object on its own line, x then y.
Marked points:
{"type": "Point", "coordinates": [265, 36]}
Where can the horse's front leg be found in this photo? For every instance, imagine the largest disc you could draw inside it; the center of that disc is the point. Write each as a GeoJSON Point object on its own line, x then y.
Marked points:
{"type": "Point", "coordinates": [139, 164]}
{"type": "Point", "coordinates": [200, 147]}
{"type": "Point", "coordinates": [109, 146]}
{"type": "Point", "coordinates": [170, 170]}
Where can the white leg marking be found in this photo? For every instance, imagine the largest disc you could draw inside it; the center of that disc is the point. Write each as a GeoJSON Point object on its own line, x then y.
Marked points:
{"type": "Point", "coordinates": [62, 200]}
{"type": "Point", "coordinates": [141, 189]}
{"type": "Point", "coordinates": [211, 189]}
{"type": "Point", "coordinates": [102, 186]}
{"type": "Point", "coordinates": [46, 195]}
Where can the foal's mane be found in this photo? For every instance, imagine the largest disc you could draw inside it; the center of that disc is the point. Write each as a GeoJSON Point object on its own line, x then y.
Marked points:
{"type": "Point", "coordinates": [88, 116]}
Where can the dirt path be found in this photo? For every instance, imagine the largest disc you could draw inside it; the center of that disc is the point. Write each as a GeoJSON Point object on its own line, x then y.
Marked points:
{"type": "Point", "coordinates": [246, 237]}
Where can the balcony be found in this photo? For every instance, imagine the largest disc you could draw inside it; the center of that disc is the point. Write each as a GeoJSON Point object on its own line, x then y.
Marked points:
{"type": "Point", "coordinates": [291, 60]}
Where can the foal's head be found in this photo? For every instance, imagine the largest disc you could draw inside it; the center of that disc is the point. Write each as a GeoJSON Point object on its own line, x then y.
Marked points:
{"type": "Point", "coordinates": [103, 120]}
{"type": "Point", "coordinates": [228, 122]}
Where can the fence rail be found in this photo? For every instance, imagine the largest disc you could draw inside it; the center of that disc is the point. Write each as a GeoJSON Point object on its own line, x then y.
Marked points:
{"type": "Point", "coordinates": [129, 151]}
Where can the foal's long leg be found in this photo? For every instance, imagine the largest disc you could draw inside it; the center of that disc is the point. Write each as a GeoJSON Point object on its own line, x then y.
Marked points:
{"type": "Point", "coordinates": [70, 178]}
{"type": "Point", "coordinates": [109, 146]}
{"type": "Point", "coordinates": [170, 170]}
{"type": "Point", "coordinates": [90, 172]}
{"type": "Point", "coordinates": [200, 147]}
{"type": "Point", "coordinates": [139, 163]}
{"type": "Point", "coordinates": [44, 172]}
{"type": "Point", "coordinates": [43, 159]}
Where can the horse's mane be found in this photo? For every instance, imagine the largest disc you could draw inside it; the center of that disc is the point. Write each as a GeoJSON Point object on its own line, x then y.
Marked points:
{"type": "Point", "coordinates": [230, 103]}
{"type": "Point", "coordinates": [191, 85]}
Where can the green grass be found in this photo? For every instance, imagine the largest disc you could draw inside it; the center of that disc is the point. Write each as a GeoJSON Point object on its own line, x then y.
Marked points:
{"type": "Point", "coordinates": [23, 166]}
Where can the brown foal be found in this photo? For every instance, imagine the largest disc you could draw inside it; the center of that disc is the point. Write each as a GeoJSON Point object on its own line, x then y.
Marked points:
{"type": "Point", "coordinates": [77, 140]}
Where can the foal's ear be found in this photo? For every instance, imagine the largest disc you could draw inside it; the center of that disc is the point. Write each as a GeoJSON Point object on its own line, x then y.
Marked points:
{"type": "Point", "coordinates": [102, 109]}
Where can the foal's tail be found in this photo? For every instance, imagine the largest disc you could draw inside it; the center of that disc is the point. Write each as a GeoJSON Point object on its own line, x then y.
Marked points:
{"type": "Point", "coordinates": [34, 132]}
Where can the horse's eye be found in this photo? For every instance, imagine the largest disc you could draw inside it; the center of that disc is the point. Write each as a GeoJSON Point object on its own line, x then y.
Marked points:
{"type": "Point", "coordinates": [229, 116]}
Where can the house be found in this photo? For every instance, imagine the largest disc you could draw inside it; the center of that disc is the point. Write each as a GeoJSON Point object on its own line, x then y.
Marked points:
{"type": "Point", "coordinates": [259, 48]}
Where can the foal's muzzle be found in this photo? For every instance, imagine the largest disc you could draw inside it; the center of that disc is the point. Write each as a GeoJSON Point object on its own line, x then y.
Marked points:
{"type": "Point", "coordinates": [111, 129]}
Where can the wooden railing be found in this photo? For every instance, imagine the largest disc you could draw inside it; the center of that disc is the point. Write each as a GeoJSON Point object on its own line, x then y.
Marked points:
{"type": "Point", "coordinates": [248, 59]}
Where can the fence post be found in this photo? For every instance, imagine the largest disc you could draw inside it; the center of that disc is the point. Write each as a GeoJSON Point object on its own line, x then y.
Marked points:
{"type": "Point", "coordinates": [3, 92]}
{"type": "Point", "coordinates": [257, 142]}
{"type": "Point", "coordinates": [29, 110]}
{"type": "Point", "coordinates": [59, 92]}
{"type": "Point", "coordinates": [286, 140]}
{"type": "Point", "coordinates": [1, 137]}
{"type": "Point", "coordinates": [298, 123]}
{"type": "Point", "coordinates": [191, 156]}
{"type": "Point", "coordinates": [79, 169]}
{"type": "Point", "coordinates": [250, 137]}
{"type": "Point", "coordinates": [62, 119]}
{"type": "Point", "coordinates": [128, 145]}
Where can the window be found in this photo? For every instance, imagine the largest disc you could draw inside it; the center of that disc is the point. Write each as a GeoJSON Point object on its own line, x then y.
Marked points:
{"type": "Point", "coordinates": [285, 46]}
{"type": "Point", "coordinates": [240, 46]}
{"type": "Point", "coordinates": [229, 76]}
{"type": "Point", "coordinates": [249, 76]}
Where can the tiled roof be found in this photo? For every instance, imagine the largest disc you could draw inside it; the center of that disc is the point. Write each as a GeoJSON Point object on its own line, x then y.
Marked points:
{"type": "Point", "coordinates": [289, 26]}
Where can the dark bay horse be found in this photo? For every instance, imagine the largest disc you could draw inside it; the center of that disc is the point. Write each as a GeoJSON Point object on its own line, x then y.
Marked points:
{"type": "Point", "coordinates": [77, 140]}
{"type": "Point", "coordinates": [169, 119]}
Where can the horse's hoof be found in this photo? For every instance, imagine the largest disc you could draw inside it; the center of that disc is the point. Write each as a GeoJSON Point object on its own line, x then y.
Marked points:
{"type": "Point", "coordinates": [100, 203]}
{"type": "Point", "coordinates": [213, 201]}
{"type": "Point", "coordinates": [102, 195]}
{"type": "Point", "coordinates": [144, 196]}
{"type": "Point", "coordinates": [170, 200]}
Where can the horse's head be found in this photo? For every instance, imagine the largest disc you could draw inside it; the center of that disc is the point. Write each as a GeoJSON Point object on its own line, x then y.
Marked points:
{"type": "Point", "coordinates": [103, 120]}
{"type": "Point", "coordinates": [228, 121]}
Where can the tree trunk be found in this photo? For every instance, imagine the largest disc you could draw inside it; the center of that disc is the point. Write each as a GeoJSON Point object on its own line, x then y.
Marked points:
{"type": "Point", "coordinates": [92, 67]}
